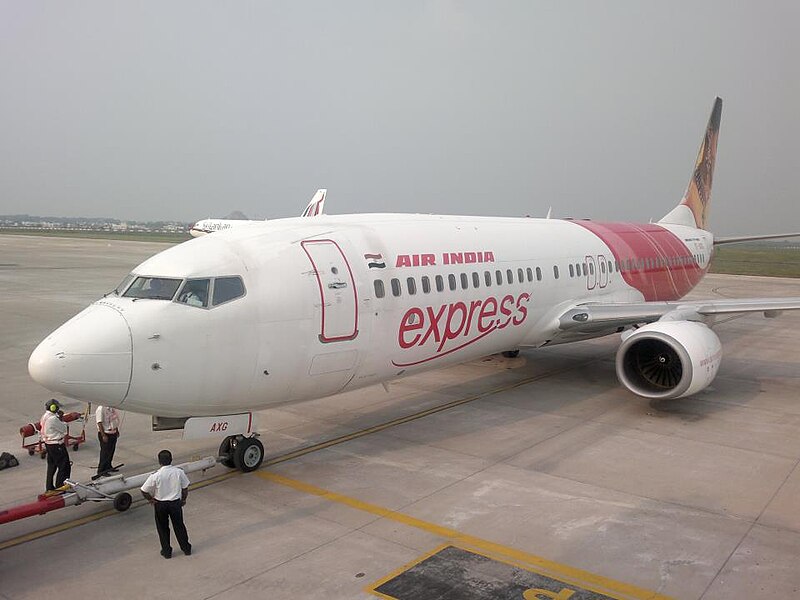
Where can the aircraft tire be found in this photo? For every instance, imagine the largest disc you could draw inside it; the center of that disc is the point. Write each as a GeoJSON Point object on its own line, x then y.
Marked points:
{"type": "Point", "coordinates": [511, 353]}
{"type": "Point", "coordinates": [248, 454]}
{"type": "Point", "coordinates": [226, 452]}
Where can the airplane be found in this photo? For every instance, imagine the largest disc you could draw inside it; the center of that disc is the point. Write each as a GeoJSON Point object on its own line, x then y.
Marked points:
{"type": "Point", "coordinates": [206, 226]}
{"type": "Point", "coordinates": [293, 309]}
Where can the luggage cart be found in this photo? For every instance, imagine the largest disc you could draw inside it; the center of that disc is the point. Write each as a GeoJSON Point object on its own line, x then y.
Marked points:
{"type": "Point", "coordinates": [37, 446]}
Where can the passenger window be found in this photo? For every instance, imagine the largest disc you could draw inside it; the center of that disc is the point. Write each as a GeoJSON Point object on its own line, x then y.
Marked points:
{"type": "Point", "coordinates": [520, 275]}
{"type": "Point", "coordinates": [412, 286]}
{"type": "Point", "coordinates": [476, 280]}
{"type": "Point", "coordinates": [194, 293]}
{"type": "Point", "coordinates": [380, 292]}
{"type": "Point", "coordinates": [227, 289]}
{"type": "Point", "coordinates": [571, 270]}
{"type": "Point", "coordinates": [498, 275]}
{"type": "Point", "coordinates": [439, 283]}
{"type": "Point", "coordinates": [152, 288]}
{"type": "Point", "coordinates": [464, 281]}
{"type": "Point", "coordinates": [509, 276]}
{"type": "Point", "coordinates": [591, 268]}
{"type": "Point", "coordinates": [487, 277]}
{"type": "Point", "coordinates": [555, 271]}
{"type": "Point", "coordinates": [602, 266]}
{"type": "Point", "coordinates": [426, 284]}
{"type": "Point", "coordinates": [530, 274]}
{"type": "Point", "coordinates": [451, 279]}
{"type": "Point", "coordinates": [395, 287]}
{"type": "Point", "coordinates": [538, 274]}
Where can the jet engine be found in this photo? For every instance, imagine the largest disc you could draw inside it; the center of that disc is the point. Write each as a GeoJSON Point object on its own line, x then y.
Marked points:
{"type": "Point", "coordinates": [669, 359]}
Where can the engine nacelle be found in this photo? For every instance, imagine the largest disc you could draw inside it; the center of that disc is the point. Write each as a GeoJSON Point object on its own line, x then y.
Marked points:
{"type": "Point", "coordinates": [669, 359]}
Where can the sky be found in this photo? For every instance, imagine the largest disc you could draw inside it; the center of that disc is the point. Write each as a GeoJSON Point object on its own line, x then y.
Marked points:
{"type": "Point", "coordinates": [183, 110]}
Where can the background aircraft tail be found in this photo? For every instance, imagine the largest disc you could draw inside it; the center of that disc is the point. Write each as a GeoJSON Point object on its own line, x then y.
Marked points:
{"type": "Point", "coordinates": [693, 210]}
{"type": "Point", "coordinates": [316, 205]}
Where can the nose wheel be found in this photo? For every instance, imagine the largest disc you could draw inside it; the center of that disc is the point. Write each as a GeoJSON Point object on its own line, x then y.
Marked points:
{"type": "Point", "coordinates": [240, 452]}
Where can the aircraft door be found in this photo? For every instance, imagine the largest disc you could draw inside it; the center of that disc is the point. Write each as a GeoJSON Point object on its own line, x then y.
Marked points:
{"type": "Point", "coordinates": [604, 274]}
{"type": "Point", "coordinates": [591, 278]}
{"type": "Point", "coordinates": [337, 289]}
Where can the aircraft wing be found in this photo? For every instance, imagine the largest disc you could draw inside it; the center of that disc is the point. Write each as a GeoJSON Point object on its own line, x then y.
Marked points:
{"type": "Point", "coordinates": [594, 317]}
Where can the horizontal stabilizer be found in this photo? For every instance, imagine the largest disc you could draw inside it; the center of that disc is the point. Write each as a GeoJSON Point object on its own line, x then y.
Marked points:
{"type": "Point", "coordinates": [753, 238]}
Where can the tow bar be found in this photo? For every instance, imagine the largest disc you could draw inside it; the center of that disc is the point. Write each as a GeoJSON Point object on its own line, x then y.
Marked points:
{"type": "Point", "coordinates": [112, 489]}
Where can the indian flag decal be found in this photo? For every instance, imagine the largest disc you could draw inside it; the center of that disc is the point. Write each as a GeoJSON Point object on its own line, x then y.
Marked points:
{"type": "Point", "coordinates": [375, 261]}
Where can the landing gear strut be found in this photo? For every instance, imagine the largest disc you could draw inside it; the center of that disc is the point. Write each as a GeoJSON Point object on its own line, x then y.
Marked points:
{"type": "Point", "coordinates": [240, 452]}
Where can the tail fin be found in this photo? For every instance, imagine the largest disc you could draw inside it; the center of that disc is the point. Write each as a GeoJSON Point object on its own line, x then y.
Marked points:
{"type": "Point", "coordinates": [316, 205]}
{"type": "Point", "coordinates": [694, 208]}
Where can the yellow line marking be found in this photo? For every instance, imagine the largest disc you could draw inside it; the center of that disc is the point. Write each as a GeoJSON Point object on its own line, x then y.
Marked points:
{"type": "Point", "coordinates": [418, 415]}
{"type": "Point", "coordinates": [463, 539]}
{"type": "Point", "coordinates": [297, 453]}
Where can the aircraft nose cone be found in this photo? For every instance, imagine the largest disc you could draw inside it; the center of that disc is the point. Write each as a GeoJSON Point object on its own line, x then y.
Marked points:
{"type": "Point", "coordinates": [87, 358]}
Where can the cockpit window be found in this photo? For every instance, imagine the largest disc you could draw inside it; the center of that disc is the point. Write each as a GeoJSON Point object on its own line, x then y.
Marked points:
{"type": "Point", "coordinates": [227, 289]}
{"type": "Point", "coordinates": [123, 285]}
{"type": "Point", "coordinates": [154, 288]}
{"type": "Point", "coordinates": [194, 293]}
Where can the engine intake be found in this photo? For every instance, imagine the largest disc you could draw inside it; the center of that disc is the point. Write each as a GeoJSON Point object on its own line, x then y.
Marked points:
{"type": "Point", "coordinates": [669, 359]}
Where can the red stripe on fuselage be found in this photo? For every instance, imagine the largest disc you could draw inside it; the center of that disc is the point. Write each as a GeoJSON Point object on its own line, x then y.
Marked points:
{"type": "Point", "coordinates": [670, 278]}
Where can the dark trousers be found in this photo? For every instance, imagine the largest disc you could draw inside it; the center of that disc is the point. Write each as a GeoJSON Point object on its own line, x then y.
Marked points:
{"type": "Point", "coordinates": [57, 460]}
{"type": "Point", "coordinates": [106, 451]}
{"type": "Point", "coordinates": [166, 511]}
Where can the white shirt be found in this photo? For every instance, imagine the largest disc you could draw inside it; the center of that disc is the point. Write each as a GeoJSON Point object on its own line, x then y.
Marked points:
{"type": "Point", "coordinates": [166, 483]}
{"type": "Point", "coordinates": [109, 417]}
{"type": "Point", "coordinates": [53, 430]}
{"type": "Point", "coordinates": [47, 414]}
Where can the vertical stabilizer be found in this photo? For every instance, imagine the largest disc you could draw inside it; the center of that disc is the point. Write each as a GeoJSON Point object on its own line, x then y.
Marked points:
{"type": "Point", "coordinates": [694, 208]}
{"type": "Point", "coordinates": [316, 205]}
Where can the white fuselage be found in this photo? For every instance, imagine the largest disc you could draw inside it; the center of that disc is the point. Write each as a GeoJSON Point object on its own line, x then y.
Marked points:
{"type": "Point", "coordinates": [340, 302]}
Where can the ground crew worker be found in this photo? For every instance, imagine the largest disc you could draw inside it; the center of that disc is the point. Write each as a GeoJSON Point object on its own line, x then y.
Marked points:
{"type": "Point", "coordinates": [53, 431]}
{"type": "Point", "coordinates": [167, 490]}
{"type": "Point", "coordinates": [107, 418]}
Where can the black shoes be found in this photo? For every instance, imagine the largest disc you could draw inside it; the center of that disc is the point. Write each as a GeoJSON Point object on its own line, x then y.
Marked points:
{"type": "Point", "coordinates": [168, 554]}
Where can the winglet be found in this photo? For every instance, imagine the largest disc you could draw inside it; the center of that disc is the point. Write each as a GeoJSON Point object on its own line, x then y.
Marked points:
{"type": "Point", "coordinates": [316, 205]}
{"type": "Point", "coordinates": [698, 193]}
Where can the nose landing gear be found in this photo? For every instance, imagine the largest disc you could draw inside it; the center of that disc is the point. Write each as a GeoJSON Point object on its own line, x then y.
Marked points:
{"type": "Point", "coordinates": [241, 452]}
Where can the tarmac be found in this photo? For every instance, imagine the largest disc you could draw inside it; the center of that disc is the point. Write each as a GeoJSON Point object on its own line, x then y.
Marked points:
{"type": "Point", "coordinates": [529, 478]}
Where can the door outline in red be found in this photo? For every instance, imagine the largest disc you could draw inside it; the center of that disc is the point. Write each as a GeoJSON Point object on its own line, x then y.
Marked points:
{"type": "Point", "coordinates": [602, 280]}
{"type": "Point", "coordinates": [591, 277]}
{"type": "Point", "coordinates": [322, 337]}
